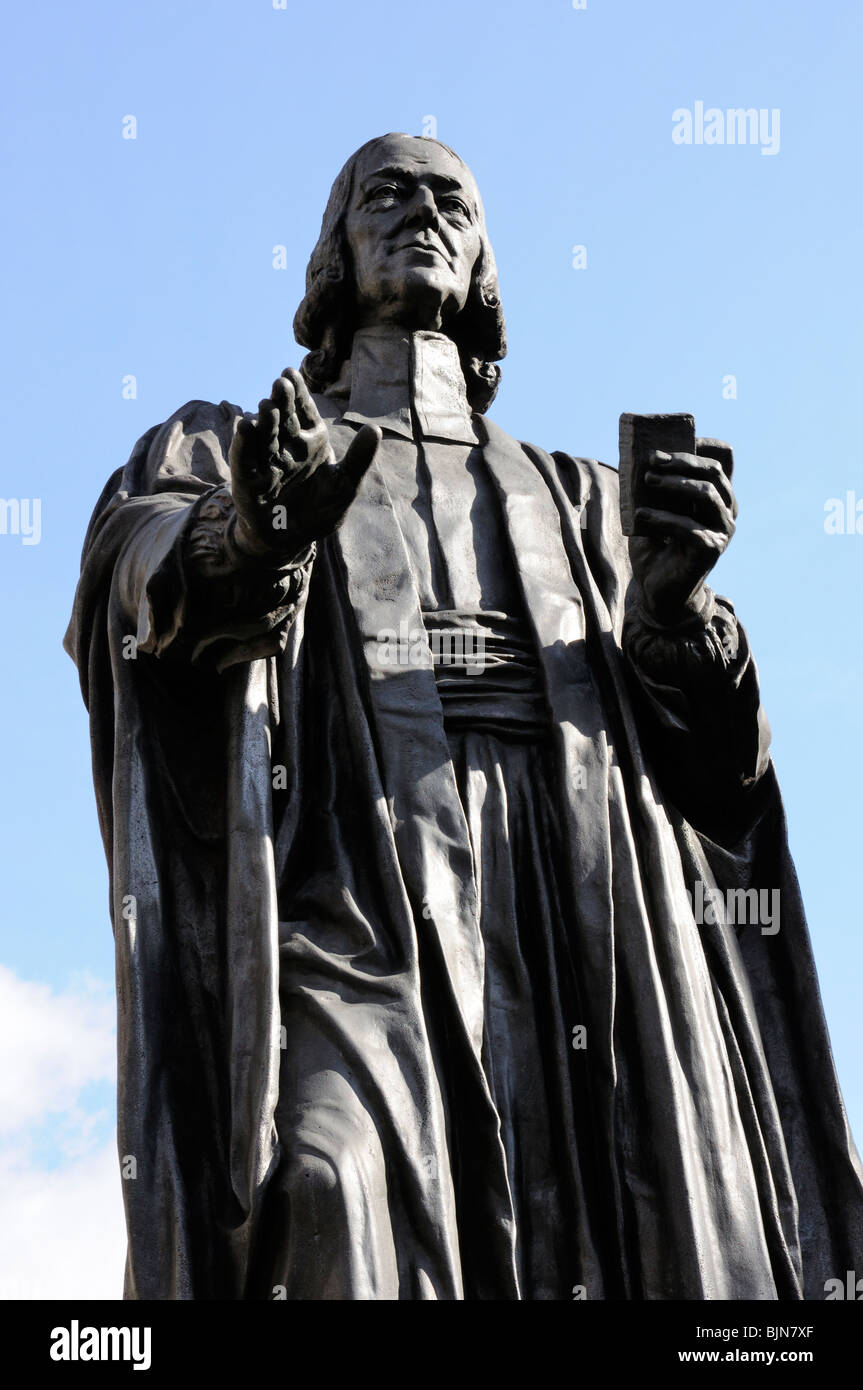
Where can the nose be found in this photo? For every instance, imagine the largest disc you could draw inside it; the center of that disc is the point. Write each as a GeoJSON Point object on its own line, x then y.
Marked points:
{"type": "Point", "coordinates": [422, 211]}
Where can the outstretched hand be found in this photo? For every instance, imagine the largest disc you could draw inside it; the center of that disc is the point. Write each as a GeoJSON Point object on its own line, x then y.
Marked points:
{"type": "Point", "coordinates": [288, 488]}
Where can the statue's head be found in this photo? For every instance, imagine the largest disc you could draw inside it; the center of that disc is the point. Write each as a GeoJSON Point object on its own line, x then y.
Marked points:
{"type": "Point", "coordinates": [403, 241]}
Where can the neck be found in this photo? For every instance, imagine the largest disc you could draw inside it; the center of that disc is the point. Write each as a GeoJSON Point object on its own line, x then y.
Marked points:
{"type": "Point", "coordinates": [418, 317]}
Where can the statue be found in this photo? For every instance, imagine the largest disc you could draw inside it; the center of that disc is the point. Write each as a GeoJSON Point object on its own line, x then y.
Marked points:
{"type": "Point", "coordinates": [459, 951]}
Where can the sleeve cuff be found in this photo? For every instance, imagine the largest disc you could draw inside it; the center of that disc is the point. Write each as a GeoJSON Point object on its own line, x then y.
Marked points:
{"type": "Point", "coordinates": [221, 606]}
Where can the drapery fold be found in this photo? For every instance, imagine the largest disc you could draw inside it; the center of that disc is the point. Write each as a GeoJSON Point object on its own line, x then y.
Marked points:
{"type": "Point", "coordinates": [285, 940]}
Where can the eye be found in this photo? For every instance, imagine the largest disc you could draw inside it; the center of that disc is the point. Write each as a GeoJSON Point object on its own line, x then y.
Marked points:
{"type": "Point", "coordinates": [384, 192]}
{"type": "Point", "coordinates": [450, 203]}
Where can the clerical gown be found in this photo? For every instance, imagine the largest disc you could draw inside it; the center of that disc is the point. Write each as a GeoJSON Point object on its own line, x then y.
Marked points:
{"type": "Point", "coordinates": [409, 843]}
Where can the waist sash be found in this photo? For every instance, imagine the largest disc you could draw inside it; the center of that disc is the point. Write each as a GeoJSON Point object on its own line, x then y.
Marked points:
{"type": "Point", "coordinates": [487, 671]}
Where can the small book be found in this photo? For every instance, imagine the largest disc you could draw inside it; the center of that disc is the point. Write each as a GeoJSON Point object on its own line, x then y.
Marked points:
{"type": "Point", "coordinates": [640, 435]}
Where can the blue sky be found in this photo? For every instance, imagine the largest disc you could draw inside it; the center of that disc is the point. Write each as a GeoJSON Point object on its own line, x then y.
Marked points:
{"type": "Point", "coordinates": [153, 258]}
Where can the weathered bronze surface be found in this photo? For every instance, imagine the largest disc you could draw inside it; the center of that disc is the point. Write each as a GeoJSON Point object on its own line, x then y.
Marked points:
{"type": "Point", "coordinates": [459, 951]}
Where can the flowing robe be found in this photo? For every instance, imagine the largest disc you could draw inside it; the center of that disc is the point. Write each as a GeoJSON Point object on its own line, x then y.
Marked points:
{"type": "Point", "coordinates": [303, 855]}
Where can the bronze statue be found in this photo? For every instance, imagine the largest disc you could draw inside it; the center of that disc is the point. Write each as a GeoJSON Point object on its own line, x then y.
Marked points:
{"type": "Point", "coordinates": [459, 952]}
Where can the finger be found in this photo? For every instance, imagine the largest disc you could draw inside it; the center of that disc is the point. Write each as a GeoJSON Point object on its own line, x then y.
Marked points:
{"type": "Point", "coordinates": [267, 420]}
{"type": "Point", "coordinates": [650, 521]}
{"type": "Point", "coordinates": [246, 428]}
{"type": "Point", "coordinates": [282, 394]}
{"type": "Point", "coordinates": [268, 429]}
{"type": "Point", "coordinates": [702, 499]}
{"type": "Point", "coordinates": [695, 466]}
{"type": "Point", "coordinates": [241, 444]}
{"type": "Point", "coordinates": [283, 398]}
{"type": "Point", "coordinates": [307, 411]}
{"type": "Point", "coordinates": [716, 449]}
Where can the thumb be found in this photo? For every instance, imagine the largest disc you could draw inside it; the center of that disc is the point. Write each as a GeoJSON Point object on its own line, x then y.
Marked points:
{"type": "Point", "coordinates": [359, 457]}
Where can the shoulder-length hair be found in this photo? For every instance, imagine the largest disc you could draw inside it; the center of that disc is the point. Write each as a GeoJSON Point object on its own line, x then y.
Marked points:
{"type": "Point", "coordinates": [325, 323]}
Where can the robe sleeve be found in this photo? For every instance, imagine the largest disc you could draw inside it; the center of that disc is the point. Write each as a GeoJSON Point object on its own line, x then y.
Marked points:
{"type": "Point", "coordinates": [205, 600]}
{"type": "Point", "coordinates": [695, 686]}
{"type": "Point", "coordinates": [701, 707]}
{"type": "Point", "coordinates": [163, 539]}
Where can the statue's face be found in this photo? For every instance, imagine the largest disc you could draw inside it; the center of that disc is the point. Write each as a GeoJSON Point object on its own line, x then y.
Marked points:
{"type": "Point", "coordinates": [413, 232]}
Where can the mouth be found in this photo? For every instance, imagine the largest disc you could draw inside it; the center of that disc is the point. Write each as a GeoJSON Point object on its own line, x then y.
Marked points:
{"type": "Point", "coordinates": [421, 246]}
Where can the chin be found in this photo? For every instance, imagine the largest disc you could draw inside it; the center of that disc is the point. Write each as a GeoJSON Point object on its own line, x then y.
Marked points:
{"type": "Point", "coordinates": [424, 279]}
{"type": "Point", "coordinates": [416, 299]}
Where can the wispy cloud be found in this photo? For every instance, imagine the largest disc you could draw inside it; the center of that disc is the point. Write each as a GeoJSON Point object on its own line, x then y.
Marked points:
{"type": "Point", "coordinates": [61, 1219]}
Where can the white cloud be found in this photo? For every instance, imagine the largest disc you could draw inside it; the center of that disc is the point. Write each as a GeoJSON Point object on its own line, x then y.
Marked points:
{"type": "Point", "coordinates": [62, 1229]}
{"type": "Point", "coordinates": [61, 1215]}
{"type": "Point", "coordinates": [54, 1045]}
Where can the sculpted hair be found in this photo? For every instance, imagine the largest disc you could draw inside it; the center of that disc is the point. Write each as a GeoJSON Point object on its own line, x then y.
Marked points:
{"type": "Point", "coordinates": [324, 322]}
